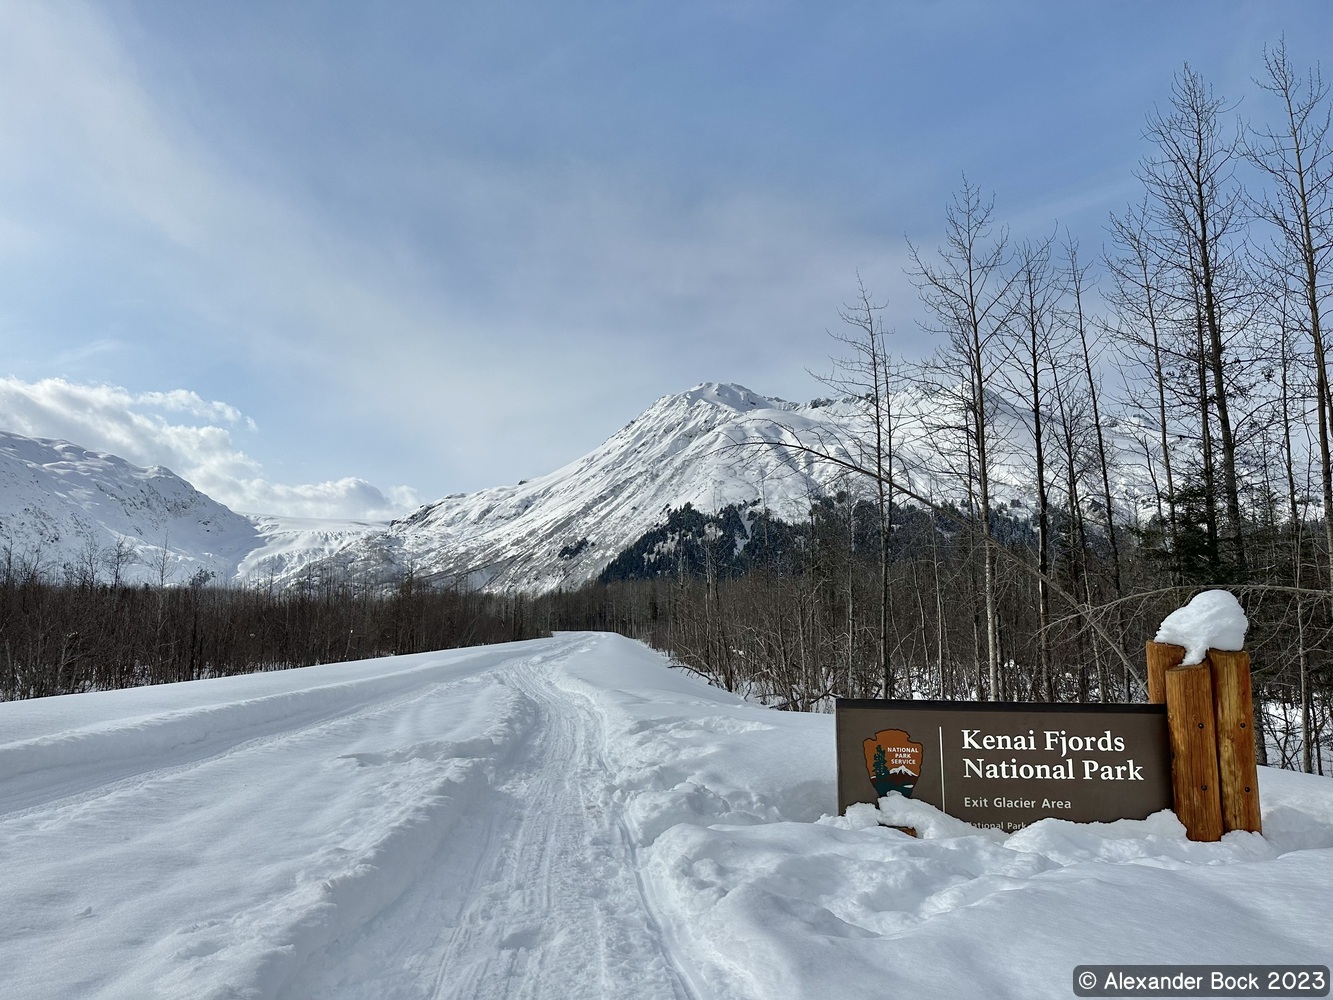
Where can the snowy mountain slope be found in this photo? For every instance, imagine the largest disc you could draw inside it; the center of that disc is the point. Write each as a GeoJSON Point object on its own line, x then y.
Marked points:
{"type": "Point", "coordinates": [569, 817]}
{"type": "Point", "coordinates": [62, 505]}
{"type": "Point", "coordinates": [66, 509]}
{"type": "Point", "coordinates": [562, 528]}
{"type": "Point", "coordinates": [287, 545]}
{"type": "Point", "coordinates": [711, 446]}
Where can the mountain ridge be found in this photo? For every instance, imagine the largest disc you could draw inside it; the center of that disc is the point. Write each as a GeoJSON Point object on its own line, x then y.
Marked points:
{"type": "Point", "coordinates": [69, 511]}
{"type": "Point", "coordinates": [712, 446]}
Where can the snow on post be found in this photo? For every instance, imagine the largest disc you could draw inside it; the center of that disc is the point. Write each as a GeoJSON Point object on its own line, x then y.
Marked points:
{"type": "Point", "coordinates": [1211, 620]}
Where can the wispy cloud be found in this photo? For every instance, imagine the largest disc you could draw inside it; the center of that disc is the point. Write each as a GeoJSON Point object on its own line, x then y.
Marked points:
{"type": "Point", "coordinates": [482, 242]}
{"type": "Point", "coordinates": [572, 291]}
{"type": "Point", "coordinates": [149, 428]}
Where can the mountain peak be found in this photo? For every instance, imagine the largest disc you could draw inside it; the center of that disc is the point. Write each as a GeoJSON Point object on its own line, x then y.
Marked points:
{"type": "Point", "coordinates": [728, 394]}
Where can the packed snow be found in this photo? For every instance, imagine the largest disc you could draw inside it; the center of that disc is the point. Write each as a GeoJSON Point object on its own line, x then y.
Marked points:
{"type": "Point", "coordinates": [1212, 619]}
{"type": "Point", "coordinates": [571, 817]}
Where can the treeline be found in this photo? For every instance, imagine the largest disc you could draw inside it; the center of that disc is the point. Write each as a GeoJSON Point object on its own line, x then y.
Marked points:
{"type": "Point", "coordinates": [64, 638]}
{"type": "Point", "coordinates": [1163, 408]}
{"type": "Point", "coordinates": [800, 624]}
{"type": "Point", "coordinates": [791, 612]}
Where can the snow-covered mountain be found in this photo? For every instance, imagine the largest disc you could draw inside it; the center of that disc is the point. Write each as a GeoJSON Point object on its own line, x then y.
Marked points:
{"type": "Point", "coordinates": [714, 445]}
{"type": "Point", "coordinates": [710, 446]}
{"type": "Point", "coordinates": [70, 512]}
{"type": "Point", "coordinates": [290, 544]}
{"type": "Point", "coordinates": [64, 508]}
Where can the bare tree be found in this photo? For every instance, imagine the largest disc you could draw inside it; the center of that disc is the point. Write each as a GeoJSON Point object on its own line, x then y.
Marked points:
{"type": "Point", "coordinates": [1137, 276]}
{"type": "Point", "coordinates": [967, 289]}
{"type": "Point", "coordinates": [118, 556]}
{"type": "Point", "coordinates": [162, 560]}
{"type": "Point", "coordinates": [1030, 376]}
{"type": "Point", "coordinates": [1298, 161]}
{"type": "Point", "coordinates": [1076, 280]}
{"type": "Point", "coordinates": [1195, 211]}
{"type": "Point", "coordinates": [869, 373]}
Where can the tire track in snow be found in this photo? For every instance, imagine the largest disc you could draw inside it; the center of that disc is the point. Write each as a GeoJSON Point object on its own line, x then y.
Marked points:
{"type": "Point", "coordinates": [535, 894]}
{"type": "Point", "coordinates": [566, 906]}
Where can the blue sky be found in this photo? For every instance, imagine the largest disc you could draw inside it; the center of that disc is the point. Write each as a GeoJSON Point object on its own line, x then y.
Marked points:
{"type": "Point", "coordinates": [335, 258]}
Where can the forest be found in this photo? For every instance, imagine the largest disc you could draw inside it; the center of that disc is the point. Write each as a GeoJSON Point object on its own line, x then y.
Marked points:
{"type": "Point", "coordinates": [73, 635]}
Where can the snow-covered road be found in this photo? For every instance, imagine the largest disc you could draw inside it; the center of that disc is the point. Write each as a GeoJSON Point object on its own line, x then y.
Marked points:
{"type": "Point", "coordinates": [567, 818]}
{"type": "Point", "coordinates": [537, 891]}
{"type": "Point", "coordinates": [434, 825]}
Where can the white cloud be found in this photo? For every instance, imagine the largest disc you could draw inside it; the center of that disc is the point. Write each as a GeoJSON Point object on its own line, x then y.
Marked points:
{"type": "Point", "coordinates": [135, 426]}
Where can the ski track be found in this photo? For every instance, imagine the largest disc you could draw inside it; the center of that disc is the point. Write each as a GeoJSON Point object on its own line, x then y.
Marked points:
{"type": "Point", "coordinates": [536, 893]}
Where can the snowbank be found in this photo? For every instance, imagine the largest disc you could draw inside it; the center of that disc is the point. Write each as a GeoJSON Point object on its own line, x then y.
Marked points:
{"type": "Point", "coordinates": [772, 896]}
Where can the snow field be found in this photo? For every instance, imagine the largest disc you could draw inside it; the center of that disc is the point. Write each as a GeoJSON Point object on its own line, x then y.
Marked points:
{"type": "Point", "coordinates": [570, 818]}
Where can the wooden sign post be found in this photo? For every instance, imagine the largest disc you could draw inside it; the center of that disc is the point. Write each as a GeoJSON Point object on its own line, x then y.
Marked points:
{"type": "Point", "coordinates": [1233, 702]}
{"type": "Point", "coordinates": [1210, 711]}
{"type": "Point", "coordinates": [1189, 720]}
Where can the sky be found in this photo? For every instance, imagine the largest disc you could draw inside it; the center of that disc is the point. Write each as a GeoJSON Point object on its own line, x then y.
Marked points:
{"type": "Point", "coordinates": [337, 259]}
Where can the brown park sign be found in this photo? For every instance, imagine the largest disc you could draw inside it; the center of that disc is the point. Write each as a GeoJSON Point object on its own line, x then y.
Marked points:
{"type": "Point", "coordinates": [1006, 764]}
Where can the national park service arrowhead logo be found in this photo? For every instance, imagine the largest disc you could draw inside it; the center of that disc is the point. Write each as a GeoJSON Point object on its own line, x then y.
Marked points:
{"type": "Point", "coordinates": [894, 761]}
